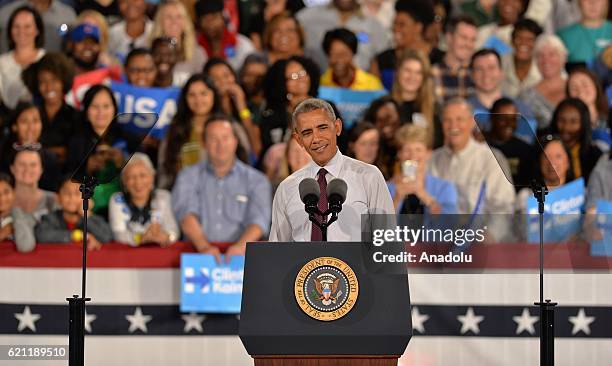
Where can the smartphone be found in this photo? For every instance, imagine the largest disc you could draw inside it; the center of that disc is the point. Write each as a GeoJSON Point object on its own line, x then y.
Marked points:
{"type": "Point", "coordinates": [6, 221]}
{"type": "Point", "coordinates": [409, 169]}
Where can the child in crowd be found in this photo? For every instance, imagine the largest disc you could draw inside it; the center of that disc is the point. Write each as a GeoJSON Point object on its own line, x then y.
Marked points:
{"type": "Point", "coordinates": [15, 224]}
{"type": "Point", "coordinates": [63, 225]}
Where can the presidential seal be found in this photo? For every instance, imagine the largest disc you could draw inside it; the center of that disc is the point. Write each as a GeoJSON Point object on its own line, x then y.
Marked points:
{"type": "Point", "coordinates": [326, 288]}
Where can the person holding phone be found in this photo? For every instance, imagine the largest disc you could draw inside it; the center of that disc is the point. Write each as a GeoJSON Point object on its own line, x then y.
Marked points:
{"type": "Point", "coordinates": [414, 191]}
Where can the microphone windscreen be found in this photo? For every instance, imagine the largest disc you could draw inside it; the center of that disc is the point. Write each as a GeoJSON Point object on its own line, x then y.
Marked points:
{"type": "Point", "coordinates": [307, 187]}
{"type": "Point", "coordinates": [338, 187]}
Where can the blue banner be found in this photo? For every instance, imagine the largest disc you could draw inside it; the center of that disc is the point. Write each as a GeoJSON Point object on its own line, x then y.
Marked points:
{"type": "Point", "coordinates": [562, 213]}
{"type": "Point", "coordinates": [602, 138]}
{"type": "Point", "coordinates": [140, 101]}
{"type": "Point", "coordinates": [208, 287]}
{"type": "Point", "coordinates": [350, 103]}
{"type": "Point", "coordinates": [602, 245]}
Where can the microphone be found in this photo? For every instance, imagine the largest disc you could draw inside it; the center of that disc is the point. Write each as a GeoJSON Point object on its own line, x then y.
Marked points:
{"type": "Point", "coordinates": [309, 194]}
{"type": "Point", "coordinates": [336, 194]}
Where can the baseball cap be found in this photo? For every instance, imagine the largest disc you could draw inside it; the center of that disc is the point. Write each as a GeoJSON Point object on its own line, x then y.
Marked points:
{"type": "Point", "coordinates": [83, 31]}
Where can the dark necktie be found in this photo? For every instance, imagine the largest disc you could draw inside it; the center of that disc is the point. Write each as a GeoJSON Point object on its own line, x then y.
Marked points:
{"type": "Point", "coordinates": [316, 234]}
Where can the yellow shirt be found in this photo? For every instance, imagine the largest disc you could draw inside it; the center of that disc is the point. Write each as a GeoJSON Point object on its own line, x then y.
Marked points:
{"type": "Point", "coordinates": [363, 81]}
{"type": "Point", "coordinates": [191, 151]}
{"type": "Point", "coordinates": [575, 151]}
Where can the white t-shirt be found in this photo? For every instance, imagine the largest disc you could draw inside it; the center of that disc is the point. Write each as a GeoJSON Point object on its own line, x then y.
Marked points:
{"type": "Point", "coordinates": [119, 42]}
{"type": "Point", "coordinates": [12, 89]}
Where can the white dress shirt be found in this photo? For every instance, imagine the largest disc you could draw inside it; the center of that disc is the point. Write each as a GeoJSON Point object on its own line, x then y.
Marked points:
{"type": "Point", "coordinates": [367, 194]}
{"type": "Point", "coordinates": [469, 169]}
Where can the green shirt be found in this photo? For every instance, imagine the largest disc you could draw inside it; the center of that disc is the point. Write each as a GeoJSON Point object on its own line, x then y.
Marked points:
{"type": "Point", "coordinates": [103, 192]}
{"type": "Point", "coordinates": [584, 44]}
{"type": "Point", "coordinates": [478, 13]}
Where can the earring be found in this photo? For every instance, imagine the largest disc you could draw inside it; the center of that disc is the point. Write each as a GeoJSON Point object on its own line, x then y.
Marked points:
{"type": "Point", "coordinates": [289, 96]}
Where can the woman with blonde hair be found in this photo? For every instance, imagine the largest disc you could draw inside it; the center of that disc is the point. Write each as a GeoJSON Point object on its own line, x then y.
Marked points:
{"type": "Point", "coordinates": [294, 159]}
{"type": "Point", "coordinates": [173, 21]}
{"type": "Point", "coordinates": [413, 189]}
{"type": "Point", "coordinates": [413, 91]}
{"type": "Point", "coordinates": [95, 18]}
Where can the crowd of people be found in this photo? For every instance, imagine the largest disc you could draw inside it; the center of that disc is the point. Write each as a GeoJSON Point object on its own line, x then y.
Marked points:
{"type": "Point", "coordinates": [529, 78]}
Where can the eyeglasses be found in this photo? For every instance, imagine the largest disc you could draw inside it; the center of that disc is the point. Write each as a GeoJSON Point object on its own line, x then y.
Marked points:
{"type": "Point", "coordinates": [297, 75]}
{"type": "Point", "coordinates": [34, 146]}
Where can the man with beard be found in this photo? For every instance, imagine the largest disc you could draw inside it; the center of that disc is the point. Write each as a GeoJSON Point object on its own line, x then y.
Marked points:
{"type": "Point", "coordinates": [340, 46]}
{"type": "Point", "coordinates": [85, 47]}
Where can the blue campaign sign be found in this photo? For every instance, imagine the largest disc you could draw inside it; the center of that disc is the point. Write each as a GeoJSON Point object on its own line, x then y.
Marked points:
{"type": "Point", "coordinates": [603, 245]}
{"type": "Point", "coordinates": [134, 99]}
{"type": "Point", "coordinates": [497, 44]}
{"type": "Point", "coordinates": [562, 213]}
{"type": "Point", "coordinates": [208, 287]}
{"type": "Point", "coordinates": [350, 103]}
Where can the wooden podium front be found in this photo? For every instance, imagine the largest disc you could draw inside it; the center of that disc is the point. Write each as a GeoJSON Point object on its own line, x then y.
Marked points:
{"type": "Point", "coordinates": [278, 329]}
{"type": "Point", "coordinates": [325, 360]}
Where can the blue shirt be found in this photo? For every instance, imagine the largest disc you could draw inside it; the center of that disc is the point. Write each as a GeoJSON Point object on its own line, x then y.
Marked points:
{"type": "Point", "coordinates": [442, 190]}
{"type": "Point", "coordinates": [224, 206]}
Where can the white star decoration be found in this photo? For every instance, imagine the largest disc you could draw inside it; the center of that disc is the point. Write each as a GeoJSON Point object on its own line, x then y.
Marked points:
{"type": "Point", "coordinates": [88, 319]}
{"type": "Point", "coordinates": [418, 319]}
{"type": "Point", "coordinates": [27, 319]}
{"type": "Point", "coordinates": [470, 321]}
{"type": "Point", "coordinates": [138, 321]}
{"type": "Point", "coordinates": [525, 322]}
{"type": "Point", "coordinates": [581, 322]}
{"type": "Point", "coordinates": [193, 321]}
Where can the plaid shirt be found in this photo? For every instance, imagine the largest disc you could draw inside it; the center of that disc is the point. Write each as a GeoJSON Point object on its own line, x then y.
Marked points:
{"type": "Point", "coordinates": [449, 84]}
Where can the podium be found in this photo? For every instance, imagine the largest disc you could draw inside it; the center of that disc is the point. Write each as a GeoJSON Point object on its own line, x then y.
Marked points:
{"type": "Point", "coordinates": [284, 320]}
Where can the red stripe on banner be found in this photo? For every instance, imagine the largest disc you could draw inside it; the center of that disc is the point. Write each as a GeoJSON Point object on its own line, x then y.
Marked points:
{"type": "Point", "coordinates": [112, 255]}
{"type": "Point", "coordinates": [575, 256]}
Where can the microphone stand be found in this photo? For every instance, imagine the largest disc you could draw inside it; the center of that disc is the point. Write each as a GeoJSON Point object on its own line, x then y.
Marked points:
{"type": "Point", "coordinates": [547, 308]}
{"type": "Point", "coordinates": [324, 225]}
{"type": "Point", "coordinates": [76, 304]}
